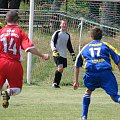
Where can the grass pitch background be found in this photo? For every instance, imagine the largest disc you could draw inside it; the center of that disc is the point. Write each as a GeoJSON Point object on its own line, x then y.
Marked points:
{"type": "Point", "coordinates": [45, 103]}
{"type": "Point", "coordinates": [41, 102]}
{"type": "Point", "coordinates": [43, 71]}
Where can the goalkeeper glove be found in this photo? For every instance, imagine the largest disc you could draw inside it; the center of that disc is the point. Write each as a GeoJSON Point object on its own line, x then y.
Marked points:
{"type": "Point", "coordinates": [56, 53]}
{"type": "Point", "coordinates": [73, 57]}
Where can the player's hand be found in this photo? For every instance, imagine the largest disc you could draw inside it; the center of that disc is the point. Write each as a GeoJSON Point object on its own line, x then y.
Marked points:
{"type": "Point", "coordinates": [73, 57]}
{"type": "Point", "coordinates": [75, 85]}
{"type": "Point", "coordinates": [46, 57]}
{"type": "Point", "coordinates": [56, 53]}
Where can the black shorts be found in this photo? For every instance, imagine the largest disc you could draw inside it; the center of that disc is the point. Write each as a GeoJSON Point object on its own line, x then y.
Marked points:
{"type": "Point", "coordinates": [60, 60]}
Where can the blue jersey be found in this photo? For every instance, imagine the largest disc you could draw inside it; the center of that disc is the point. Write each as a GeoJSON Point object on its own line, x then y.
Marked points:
{"type": "Point", "coordinates": [97, 56]}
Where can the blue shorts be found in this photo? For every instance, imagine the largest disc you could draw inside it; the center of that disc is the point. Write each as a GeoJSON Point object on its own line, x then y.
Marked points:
{"type": "Point", "coordinates": [103, 79]}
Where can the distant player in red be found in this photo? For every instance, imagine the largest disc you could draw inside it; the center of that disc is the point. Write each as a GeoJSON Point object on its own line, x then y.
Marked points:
{"type": "Point", "coordinates": [12, 41]}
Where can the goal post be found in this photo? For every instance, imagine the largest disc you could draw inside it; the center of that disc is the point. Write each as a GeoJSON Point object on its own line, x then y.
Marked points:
{"type": "Point", "coordinates": [29, 58]}
{"type": "Point", "coordinates": [83, 13]}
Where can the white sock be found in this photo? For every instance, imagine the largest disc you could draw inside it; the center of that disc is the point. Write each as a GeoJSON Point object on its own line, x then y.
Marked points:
{"type": "Point", "coordinates": [118, 100]}
{"type": "Point", "coordinates": [13, 91]}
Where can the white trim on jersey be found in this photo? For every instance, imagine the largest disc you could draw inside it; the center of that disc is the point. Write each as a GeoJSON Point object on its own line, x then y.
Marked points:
{"type": "Point", "coordinates": [29, 48]}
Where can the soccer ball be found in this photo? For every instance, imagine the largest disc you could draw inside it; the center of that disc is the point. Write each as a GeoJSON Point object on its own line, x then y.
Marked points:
{"type": "Point", "coordinates": [5, 85]}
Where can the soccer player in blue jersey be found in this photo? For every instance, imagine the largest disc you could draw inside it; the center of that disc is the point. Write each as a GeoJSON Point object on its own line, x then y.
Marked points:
{"type": "Point", "coordinates": [97, 57]}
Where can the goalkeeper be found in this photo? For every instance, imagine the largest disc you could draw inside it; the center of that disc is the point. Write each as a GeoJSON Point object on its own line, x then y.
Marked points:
{"type": "Point", "coordinates": [60, 42]}
{"type": "Point", "coordinates": [96, 57]}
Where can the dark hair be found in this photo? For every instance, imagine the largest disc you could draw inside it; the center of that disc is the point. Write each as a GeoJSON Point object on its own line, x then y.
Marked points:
{"type": "Point", "coordinates": [96, 33]}
{"type": "Point", "coordinates": [12, 16]}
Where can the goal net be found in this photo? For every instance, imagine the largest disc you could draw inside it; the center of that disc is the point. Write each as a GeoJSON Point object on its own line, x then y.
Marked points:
{"type": "Point", "coordinates": [47, 16]}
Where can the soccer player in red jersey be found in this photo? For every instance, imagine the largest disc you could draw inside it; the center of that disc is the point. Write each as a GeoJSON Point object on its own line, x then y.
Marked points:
{"type": "Point", "coordinates": [12, 41]}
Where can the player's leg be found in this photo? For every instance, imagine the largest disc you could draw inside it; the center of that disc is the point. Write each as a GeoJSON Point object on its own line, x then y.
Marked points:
{"type": "Point", "coordinates": [6, 98]}
{"type": "Point", "coordinates": [58, 75]}
{"type": "Point", "coordinates": [109, 84]}
{"type": "Point", "coordinates": [6, 95]}
{"type": "Point", "coordinates": [116, 98]}
{"type": "Point", "coordinates": [14, 77]}
{"type": "Point", "coordinates": [85, 104]}
{"type": "Point", "coordinates": [61, 64]}
{"type": "Point", "coordinates": [91, 82]}
{"type": "Point", "coordinates": [3, 71]}
{"type": "Point", "coordinates": [114, 95]}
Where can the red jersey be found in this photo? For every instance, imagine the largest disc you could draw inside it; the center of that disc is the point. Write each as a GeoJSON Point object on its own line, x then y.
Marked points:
{"type": "Point", "coordinates": [12, 40]}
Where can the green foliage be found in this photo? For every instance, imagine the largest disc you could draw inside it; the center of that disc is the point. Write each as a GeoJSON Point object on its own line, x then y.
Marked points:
{"type": "Point", "coordinates": [75, 8]}
{"type": "Point", "coordinates": [24, 6]}
{"type": "Point", "coordinates": [43, 72]}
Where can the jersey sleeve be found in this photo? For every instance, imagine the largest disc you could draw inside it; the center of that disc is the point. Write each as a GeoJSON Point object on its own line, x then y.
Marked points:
{"type": "Point", "coordinates": [80, 57]}
{"type": "Point", "coordinates": [54, 40]}
{"type": "Point", "coordinates": [115, 55]}
{"type": "Point", "coordinates": [79, 61]}
{"type": "Point", "coordinates": [26, 43]}
{"type": "Point", "coordinates": [69, 46]}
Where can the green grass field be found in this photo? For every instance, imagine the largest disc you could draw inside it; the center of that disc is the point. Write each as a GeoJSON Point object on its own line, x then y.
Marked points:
{"type": "Point", "coordinates": [41, 102]}
{"type": "Point", "coordinates": [46, 103]}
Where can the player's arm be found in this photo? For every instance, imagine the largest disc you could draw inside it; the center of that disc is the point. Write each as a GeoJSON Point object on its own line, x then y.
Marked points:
{"type": "Point", "coordinates": [115, 55]}
{"type": "Point", "coordinates": [53, 44]}
{"type": "Point", "coordinates": [76, 75]}
{"type": "Point", "coordinates": [78, 64]}
{"type": "Point", "coordinates": [70, 48]}
{"type": "Point", "coordinates": [54, 40]}
{"type": "Point", "coordinates": [28, 46]}
{"type": "Point", "coordinates": [38, 53]}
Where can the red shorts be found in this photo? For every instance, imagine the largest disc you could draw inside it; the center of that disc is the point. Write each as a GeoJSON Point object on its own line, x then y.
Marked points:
{"type": "Point", "coordinates": [12, 71]}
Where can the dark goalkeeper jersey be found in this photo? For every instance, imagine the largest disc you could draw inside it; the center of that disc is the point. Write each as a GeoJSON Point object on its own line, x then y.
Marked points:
{"type": "Point", "coordinates": [97, 56]}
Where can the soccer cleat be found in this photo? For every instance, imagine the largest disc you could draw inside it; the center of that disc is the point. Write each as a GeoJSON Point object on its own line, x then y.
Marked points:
{"type": "Point", "coordinates": [54, 85]}
{"type": "Point", "coordinates": [6, 97]}
{"type": "Point", "coordinates": [83, 118]}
